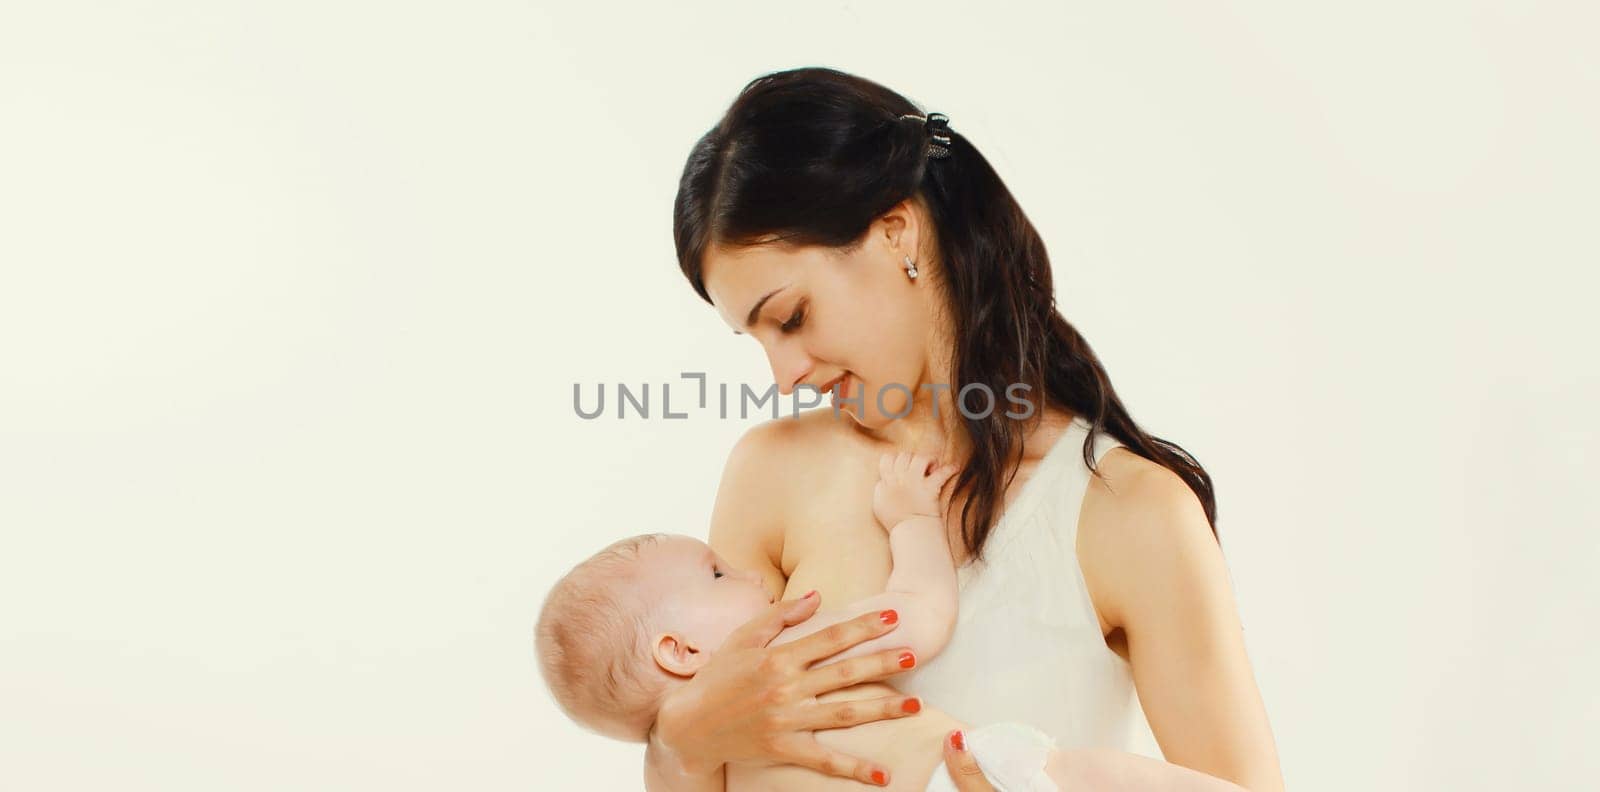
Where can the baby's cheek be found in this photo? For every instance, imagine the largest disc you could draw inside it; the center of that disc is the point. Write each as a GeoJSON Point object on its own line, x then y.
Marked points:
{"type": "Point", "coordinates": [722, 624]}
{"type": "Point", "coordinates": [751, 610]}
{"type": "Point", "coordinates": [738, 617]}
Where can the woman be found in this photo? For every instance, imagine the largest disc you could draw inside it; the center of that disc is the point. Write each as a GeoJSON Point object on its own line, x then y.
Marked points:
{"type": "Point", "coordinates": [873, 252]}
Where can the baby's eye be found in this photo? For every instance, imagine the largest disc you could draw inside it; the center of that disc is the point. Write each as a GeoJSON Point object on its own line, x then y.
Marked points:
{"type": "Point", "coordinates": [716, 573]}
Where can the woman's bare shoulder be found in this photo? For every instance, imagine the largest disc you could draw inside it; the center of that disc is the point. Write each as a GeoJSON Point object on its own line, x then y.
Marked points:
{"type": "Point", "coordinates": [1133, 512]}
{"type": "Point", "coordinates": [776, 454]}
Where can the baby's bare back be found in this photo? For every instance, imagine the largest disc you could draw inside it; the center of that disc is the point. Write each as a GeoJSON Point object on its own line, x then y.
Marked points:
{"type": "Point", "coordinates": [911, 747]}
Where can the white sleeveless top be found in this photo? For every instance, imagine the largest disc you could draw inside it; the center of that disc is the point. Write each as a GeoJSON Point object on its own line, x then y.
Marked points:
{"type": "Point", "coordinates": [1027, 645]}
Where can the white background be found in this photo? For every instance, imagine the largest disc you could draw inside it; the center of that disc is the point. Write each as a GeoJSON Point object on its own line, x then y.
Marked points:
{"type": "Point", "coordinates": [293, 297]}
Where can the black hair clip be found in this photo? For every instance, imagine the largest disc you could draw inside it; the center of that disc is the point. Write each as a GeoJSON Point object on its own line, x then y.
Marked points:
{"type": "Point", "coordinates": [937, 125]}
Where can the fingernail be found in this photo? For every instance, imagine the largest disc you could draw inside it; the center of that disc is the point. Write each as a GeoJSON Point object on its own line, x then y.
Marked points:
{"type": "Point", "coordinates": [907, 659]}
{"type": "Point", "coordinates": [810, 594]}
{"type": "Point", "coordinates": [958, 741]}
{"type": "Point", "coordinates": [880, 778]}
{"type": "Point", "coordinates": [911, 705]}
{"type": "Point", "coordinates": [888, 617]}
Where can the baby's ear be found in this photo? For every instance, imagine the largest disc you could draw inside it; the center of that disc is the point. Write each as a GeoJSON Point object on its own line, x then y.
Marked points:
{"type": "Point", "coordinates": [677, 655]}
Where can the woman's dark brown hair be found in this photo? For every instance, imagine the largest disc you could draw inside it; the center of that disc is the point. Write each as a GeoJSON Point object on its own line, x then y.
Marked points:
{"type": "Point", "coordinates": [812, 156]}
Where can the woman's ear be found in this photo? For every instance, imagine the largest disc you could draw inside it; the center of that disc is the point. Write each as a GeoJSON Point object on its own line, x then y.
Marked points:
{"type": "Point", "coordinates": [903, 226]}
{"type": "Point", "coordinates": [677, 655]}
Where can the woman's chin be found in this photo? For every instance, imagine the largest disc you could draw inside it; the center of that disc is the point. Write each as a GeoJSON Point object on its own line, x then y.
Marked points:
{"type": "Point", "coordinates": [873, 420]}
{"type": "Point", "coordinates": [846, 410]}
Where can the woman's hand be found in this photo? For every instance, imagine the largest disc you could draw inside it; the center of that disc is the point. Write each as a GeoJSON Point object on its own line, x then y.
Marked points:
{"type": "Point", "coordinates": [755, 703]}
{"type": "Point", "coordinates": [963, 768]}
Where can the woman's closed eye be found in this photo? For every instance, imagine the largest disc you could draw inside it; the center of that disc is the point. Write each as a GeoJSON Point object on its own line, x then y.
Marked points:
{"type": "Point", "coordinates": [795, 320]}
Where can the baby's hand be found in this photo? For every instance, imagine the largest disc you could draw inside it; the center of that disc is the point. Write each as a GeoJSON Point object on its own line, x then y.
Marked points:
{"type": "Point", "coordinates": [907, 487]}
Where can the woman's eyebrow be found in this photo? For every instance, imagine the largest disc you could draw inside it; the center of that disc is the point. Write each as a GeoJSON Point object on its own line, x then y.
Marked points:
{"type": "Point", "coordinates": [750, 320]}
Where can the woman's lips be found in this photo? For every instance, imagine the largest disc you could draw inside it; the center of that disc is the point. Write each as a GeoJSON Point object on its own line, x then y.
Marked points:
{"type": "Point", "coordinates": [840, 388]}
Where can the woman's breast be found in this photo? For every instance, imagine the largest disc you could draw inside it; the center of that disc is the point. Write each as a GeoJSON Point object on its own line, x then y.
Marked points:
{"type": "Point", "coordinates": [836, 546]}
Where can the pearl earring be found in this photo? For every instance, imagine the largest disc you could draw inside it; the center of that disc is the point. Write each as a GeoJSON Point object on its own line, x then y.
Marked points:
{"type": "Point", "coordinates": [911, 268]}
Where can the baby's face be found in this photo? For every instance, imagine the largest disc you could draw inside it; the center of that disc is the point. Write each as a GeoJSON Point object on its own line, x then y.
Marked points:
{"type": "Point", "coordinates": [702, 597]}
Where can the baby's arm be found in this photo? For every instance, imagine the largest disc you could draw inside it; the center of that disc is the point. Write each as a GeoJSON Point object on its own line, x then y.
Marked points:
{"type": "Point", "coordinates": [922, 586]}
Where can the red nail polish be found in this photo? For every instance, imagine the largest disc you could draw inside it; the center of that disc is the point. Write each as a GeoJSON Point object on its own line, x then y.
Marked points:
{"type": "Point", "coordinates": [912, 706]}
{"type": "Point", "coordinates": [879, 778]}
{"type": "Point", "coordinates": [907, 659]}
{"type": "Point", "coordinates": [957, 741]}
{"type": "Point", "coordinates": [888, 617]}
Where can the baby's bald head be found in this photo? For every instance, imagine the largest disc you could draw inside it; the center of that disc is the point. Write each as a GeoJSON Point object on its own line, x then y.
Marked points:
{"type": "Point", "coordinates": [593, 641]}
{"type": "Point", "coordinates": [642, 614]}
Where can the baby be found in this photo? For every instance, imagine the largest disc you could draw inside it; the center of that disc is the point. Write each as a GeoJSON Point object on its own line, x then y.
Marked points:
{"type": "Point", "coordinates": [624, 627]}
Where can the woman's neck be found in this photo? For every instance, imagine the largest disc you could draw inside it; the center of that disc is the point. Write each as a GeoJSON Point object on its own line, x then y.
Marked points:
{"type": "Point", "coordinates": [932, 425]}
{"type": "Point", "coordinates": [943, 437]}
{"type": "Point", "coordinates": [920, 432]}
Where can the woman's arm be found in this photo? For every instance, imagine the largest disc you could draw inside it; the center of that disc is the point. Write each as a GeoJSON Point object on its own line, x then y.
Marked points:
{"type": "Point", "coordinates": [1091, 770]}
{"type": "Point", "coordinates": [1154, 569]}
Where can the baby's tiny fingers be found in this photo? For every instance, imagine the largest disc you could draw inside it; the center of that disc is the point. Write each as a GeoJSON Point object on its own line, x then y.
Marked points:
{"type": "Point", "coordinates": [918, 465]}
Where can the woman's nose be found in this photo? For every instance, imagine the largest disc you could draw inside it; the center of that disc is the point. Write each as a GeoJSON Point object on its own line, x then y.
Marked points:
{"type": "Point", "coordinates": [790, 366]}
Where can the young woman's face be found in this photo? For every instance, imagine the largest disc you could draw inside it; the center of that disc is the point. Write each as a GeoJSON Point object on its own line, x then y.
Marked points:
{"type": "Point", "coordinates": [821, 315]}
